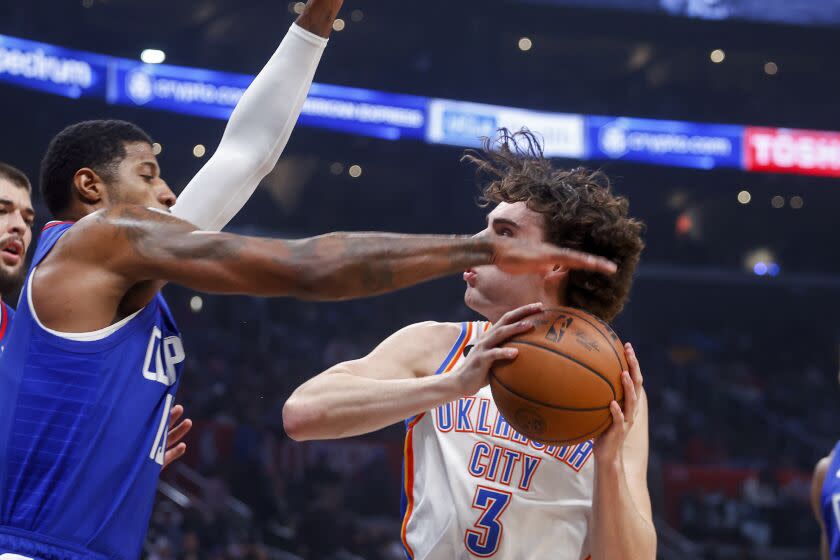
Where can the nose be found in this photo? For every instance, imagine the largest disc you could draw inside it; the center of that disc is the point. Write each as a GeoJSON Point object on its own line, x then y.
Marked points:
{"type": "Point", "coordinates": [17, 224]}
{"type": "Point", "coordinates": [166, 196]}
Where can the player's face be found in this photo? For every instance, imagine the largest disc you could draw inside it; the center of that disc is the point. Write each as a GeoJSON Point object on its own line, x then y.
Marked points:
{"type": "Point", "coordinates": [492, 292]}
{"type": "Point", "coordinates": [16, 217]}
{"type": "Point", "coordinates": [138, 180]}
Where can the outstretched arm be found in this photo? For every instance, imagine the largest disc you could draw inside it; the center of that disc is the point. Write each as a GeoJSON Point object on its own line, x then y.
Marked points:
{"type": "Point", "coordinates": [261, 123]}
{"type": "Point", "coordinates": [137, 244]}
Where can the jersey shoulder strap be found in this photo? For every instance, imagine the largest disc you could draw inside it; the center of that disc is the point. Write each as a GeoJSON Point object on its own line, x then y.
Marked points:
{"type": "Point", "coordinates": [471, 331]}
{"type": "Point", "coordinates": [50, 235]}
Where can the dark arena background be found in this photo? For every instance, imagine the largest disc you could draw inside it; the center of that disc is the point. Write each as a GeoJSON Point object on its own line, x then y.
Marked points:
{"type": "Point", "coordinates": [713, 116]}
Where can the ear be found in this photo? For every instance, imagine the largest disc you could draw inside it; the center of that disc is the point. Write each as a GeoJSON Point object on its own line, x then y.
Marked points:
{"type": "Point", "coordinates": [89, 186]}
{"type": "Point", "coordinates": [556, 275]}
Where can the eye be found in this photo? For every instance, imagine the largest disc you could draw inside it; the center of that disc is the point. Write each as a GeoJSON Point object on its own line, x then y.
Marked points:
{"type": "Point", "coordinates": [504, 232]}
{"type": "Point", "coordinates": [148, 178]}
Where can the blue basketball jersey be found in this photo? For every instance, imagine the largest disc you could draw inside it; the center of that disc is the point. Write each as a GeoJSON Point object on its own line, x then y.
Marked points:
{"type": "Point", "coordinates": [83, 426]}
{"type": "Point", "coordinates": [830, 504]}
{"type": "Point", "coordinates": [6, 316]}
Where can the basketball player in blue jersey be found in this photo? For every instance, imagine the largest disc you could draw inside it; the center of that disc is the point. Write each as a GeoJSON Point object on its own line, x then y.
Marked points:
{"type": "Point", "coordinates": [825, 501]}
{"type": "Point", "coordinates": [472, 486]}
{"type": "Point", "coordinates": [16, 219]}
{"type": "Point", "coordinates": [94, 357]}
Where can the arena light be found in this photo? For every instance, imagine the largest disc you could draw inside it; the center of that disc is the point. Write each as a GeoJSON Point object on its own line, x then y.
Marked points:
{"type": "Point", "coordinates": [355, 171]}
{"type": "Point", "coordinates": [777, 202]}
{"type": "Point", "coordinates": [797, 202]}
{"type": "Point", "coordinates": [298, 7]}
{"type": "Point", "coordinates": [199, 150]}
{"type": "Point", "coordinates": [339, 25]}
{"type": "Point", "coordinates": [153, 56]}
{"type": "Point", "coordinates": [525, 44]}
{"type": "Point", "coordinates": [336, 168]}
{"type": "Point", "coordinates": [773, 269]}
{"type": "Point", "coordinates": [196, 304]}
{"type": "Point", "coordinates": [717, 56]}
{"type": "Point", "coordinates": [744, 197]}
{"type": "Point", "coordinates": [771, 68]}
{"type": "Point", "coordinates": [357, 16]}
{"type": "Point", "coordinates": [157, 149]}
{"type": "Point", "coordinates": [759, 261]}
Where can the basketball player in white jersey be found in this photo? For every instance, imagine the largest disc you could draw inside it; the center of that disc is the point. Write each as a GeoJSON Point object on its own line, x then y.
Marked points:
{"type": "Point", "coordinates": [472, 486]}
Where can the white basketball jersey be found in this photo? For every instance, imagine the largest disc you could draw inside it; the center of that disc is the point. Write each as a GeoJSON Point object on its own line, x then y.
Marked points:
{"type": "Point", "coordinates": [473, 487]}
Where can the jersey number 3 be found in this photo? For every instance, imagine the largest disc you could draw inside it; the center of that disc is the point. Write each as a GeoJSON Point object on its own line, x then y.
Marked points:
{"type": "Point", "coordinates": [484, 540]}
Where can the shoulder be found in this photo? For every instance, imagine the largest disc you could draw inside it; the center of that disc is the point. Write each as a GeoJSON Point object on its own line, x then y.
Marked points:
{"type": "Point", "coordinates": [109, 229]}
{"type": "Point", "coordinates": [423, 346]}
{"type": "Point", "coordinates": [820, 470]}
{"type": "Point", "coordinates": [427, 336]}
{"type": "Point", "coordinates": [817, 482]}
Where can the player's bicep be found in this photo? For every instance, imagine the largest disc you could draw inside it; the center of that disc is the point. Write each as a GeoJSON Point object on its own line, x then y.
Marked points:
{"type": "Point", "coordinates": [636, 451]}
{"type": "Point", "coordinates": [414, 351]}
{"type": "Point", "coordinates": [145, 244]}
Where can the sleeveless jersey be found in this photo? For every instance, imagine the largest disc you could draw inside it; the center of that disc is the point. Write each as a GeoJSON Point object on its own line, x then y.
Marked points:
{"type": "Point", "coordinates": [830, 504]}
{"type": "Point", "coordinates": [6, 316]}
{"type": "Point", "coordinates": [474, 487]}
{"type": "Point", "coordinates": [83, 426]}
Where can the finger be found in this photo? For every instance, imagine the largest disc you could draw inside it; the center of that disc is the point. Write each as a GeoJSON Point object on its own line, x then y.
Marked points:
{"type": "Point", "coordinates": [582, 261]}
{"type": "Point", "coordinates": [520, 313]}
{"type": "Point", "coordinates": [175, 414]}
{"type": "Point", "coordinates": [497, 354]}
{"type": "Point", "coordinates": [617, 414]}
{"type": "Point", "coordinates": [633, 364]}
{"type": "Point", "coordinates": [177, 433]}
{"type": "Point", "coordinates": [631, 398]}
{"type": "Point", "coordinates": [174, 454]}
{"type": "Point", "coordinates": [502, 333]}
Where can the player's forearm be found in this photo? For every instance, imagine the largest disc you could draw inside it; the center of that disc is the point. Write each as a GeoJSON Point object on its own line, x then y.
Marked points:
{"type": "Point", "coordinates": [618, 529]}
{"type": "Point", "coordinates": [259, 127]}
{"type": "Point", "coordinates": [338, 404]}
{"type": "Point", "coordinates": [335, 266]}
{"type": "Point", "coordinates": [342, 266]}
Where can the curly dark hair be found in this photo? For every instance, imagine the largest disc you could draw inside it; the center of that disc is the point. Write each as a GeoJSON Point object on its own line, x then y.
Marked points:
{"type": "Point", "coordinates": [98, 144]}
{"type": "Point", "coordinates": [580, 210]}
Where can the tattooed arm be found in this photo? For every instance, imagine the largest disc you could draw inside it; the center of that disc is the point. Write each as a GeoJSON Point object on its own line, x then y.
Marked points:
{"type": "Point", "coordinates": [115, 254]}
{"type": "Point", "coordinates": [152, 245]}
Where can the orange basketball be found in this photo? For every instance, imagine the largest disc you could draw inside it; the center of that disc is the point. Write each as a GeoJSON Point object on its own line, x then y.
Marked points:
{"type": "Point", "coordinates": [559, 388]}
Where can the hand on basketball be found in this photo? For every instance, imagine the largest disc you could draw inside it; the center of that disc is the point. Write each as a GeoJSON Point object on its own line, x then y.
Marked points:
{"type": "Point", "coordinates": [520, 257]}
{"type": "Point", "coordinates": [608, 447]}
{"type": "Point", "coordinates": [175, 448]}
{"type": "Point", "coordinates": [475, 373]}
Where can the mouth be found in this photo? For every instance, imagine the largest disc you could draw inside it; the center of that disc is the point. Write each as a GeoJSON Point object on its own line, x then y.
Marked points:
{"type": "Point", "coordinates": [470, 277]}
{"type": "Point", "coordinates": [12, 253]}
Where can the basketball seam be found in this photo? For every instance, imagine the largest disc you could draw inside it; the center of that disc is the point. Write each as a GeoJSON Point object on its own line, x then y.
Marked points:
{"type": "Point", "coordinates": [545, 404]}
{"type": "Point", "coordinates": [571, 359]}
{"type": "Point", "coordinates": [586, 320]}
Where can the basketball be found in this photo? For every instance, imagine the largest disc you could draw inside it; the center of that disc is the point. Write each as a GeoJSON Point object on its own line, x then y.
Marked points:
{"type": "Point", "coordinates": [559, 388]}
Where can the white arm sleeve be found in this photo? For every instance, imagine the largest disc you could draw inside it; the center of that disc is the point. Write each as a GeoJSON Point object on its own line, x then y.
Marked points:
{"type": "Point", "coordinates": [256, 134]}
